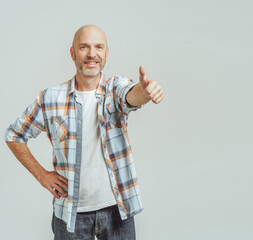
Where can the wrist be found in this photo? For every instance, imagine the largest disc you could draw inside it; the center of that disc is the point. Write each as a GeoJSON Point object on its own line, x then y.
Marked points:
{"type": "Point", "coordinates": [41, 174]}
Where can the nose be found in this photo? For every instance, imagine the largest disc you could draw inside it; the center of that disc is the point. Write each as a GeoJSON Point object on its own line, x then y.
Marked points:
{"type": "Point", "coordinates": [92, 52]}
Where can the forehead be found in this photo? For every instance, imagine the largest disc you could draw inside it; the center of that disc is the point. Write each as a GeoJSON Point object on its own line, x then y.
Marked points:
{"type": "Point", "coordinates": [91, 36]}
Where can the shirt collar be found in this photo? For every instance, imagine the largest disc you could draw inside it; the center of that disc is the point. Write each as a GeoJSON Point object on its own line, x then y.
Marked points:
{"type": "Point", "coordinates": [100, 90]}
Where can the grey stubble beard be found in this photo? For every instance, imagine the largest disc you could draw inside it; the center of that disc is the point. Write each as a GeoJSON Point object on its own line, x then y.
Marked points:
{"type": "Point", "coordinates": [86, 73]}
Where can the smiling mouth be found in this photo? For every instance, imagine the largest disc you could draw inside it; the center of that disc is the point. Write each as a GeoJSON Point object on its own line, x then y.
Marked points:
{"type": "Point", "coordinates": [92, 63]}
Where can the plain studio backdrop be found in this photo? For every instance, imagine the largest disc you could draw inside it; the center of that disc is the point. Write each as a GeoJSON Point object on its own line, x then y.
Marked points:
{"type": "Point", "coordinates": [193, 151]}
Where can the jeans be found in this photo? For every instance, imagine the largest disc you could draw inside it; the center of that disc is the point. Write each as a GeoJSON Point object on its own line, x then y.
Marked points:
{"type": "Point", "coordinates": [105, 224]}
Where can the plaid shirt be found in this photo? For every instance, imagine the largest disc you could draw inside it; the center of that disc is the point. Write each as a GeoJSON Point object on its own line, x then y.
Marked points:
{"type": "Point", "coordinates": [56, 112]}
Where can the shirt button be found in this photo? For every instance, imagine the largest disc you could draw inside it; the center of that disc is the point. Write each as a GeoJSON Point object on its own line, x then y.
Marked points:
{"type": "Point", "coordinates": [79, 120]}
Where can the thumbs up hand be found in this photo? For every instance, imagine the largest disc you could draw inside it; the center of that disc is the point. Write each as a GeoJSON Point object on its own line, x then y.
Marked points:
{"type": "Point", "coordinates": [150, 87]}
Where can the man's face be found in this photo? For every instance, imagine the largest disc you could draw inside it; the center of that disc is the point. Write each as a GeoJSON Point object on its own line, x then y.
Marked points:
{"type": "Point", "coordinates": [90, 51]}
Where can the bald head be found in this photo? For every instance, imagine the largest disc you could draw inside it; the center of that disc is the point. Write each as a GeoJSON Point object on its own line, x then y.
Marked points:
{"type": "Point", "coordinates": [89, 50]}
{"type": "Point", "coordinates": [89, 30]}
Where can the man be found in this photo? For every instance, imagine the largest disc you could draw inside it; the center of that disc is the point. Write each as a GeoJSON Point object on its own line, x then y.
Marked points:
{"type": "Point", "coordinates": [94, 181]}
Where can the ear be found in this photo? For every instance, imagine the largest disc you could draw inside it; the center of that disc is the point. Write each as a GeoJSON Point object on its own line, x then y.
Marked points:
{"type": "Point", "coordinates": [72, 53]}
{"type": "Point", "coordinates": [107, 52]}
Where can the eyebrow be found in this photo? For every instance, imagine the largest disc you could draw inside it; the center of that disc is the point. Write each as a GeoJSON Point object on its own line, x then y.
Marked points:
{"type": "Point", "coordinates": [89, 44]}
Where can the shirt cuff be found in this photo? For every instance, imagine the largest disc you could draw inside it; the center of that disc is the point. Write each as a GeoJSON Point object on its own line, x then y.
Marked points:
{"type": "Point", "coordinates": [127, 106]}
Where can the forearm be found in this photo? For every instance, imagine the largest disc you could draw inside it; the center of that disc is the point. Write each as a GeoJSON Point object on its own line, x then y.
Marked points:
{"type": "Point", "coordinates": [23, 154]}
{"type": "Point", "coordinates": [136, 96]}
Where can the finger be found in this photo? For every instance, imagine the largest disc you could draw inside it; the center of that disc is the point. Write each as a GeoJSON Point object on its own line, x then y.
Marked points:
{"type": "Point", "coordinates": [62, 195]}
{"type": "Point", "coordinates": [143, 79]}
{"type": "Point", "coordinates": [61, 183]}
{"type": "Point", "coordinates": [149, 89]}
{"type": "Point", "coordinates": [158, 100]}
{"type": "Point", "coordinates": [63, 179]}
{"type": "Point", "coordinates": [142, 72]}
{"type": "Point", "coordinates": [53, 192]}
{"type": "Point", "coordinates": [158, 95]}
{"type": "Point", "coordinates": [58, 184]}
{"type": "Point", "coordinates": [156, 91]}
{"type": "Point", "coordinates": [59, 189]}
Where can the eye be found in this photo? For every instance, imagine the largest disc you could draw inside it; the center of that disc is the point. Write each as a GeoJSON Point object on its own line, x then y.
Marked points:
{"type": "Point", "coordinates": [83, 46]}
{"type": "Point", "coordinates": [100, 47]}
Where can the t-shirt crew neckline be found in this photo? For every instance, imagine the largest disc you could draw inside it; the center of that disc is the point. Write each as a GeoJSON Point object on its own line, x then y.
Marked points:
{"type": "Point", "coordinates": [85, 92]}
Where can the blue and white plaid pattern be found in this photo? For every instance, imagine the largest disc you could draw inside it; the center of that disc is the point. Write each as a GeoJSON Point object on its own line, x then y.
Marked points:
{"type": "Point", "coordinates": [56, 111]}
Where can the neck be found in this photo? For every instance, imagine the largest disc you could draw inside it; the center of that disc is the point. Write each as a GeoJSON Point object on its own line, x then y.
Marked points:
{"type": "Point", "coordinates": [86, 83]}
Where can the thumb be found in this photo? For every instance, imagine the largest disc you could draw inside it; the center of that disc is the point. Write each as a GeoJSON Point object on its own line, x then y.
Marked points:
{"type": "Point", "coordinates": [143, 78]}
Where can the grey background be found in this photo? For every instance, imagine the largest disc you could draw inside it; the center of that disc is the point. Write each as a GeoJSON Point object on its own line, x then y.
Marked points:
{"type": "Point", "coordinates": [193, 151]}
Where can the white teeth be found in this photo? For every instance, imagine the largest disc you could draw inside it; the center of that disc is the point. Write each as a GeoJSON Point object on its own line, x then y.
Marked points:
{"type": "Point", "coordinates": [91, 62]}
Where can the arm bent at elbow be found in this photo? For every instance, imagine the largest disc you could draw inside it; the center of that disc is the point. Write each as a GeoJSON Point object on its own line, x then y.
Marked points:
{"type": "Point", "coordinates": [48, 179]}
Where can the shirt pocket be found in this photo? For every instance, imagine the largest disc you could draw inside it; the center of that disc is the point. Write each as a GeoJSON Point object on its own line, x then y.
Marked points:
{"type": "Point", "coordinates": [114, 115]}
{"type": "Point", "coordinates": [60, 127]}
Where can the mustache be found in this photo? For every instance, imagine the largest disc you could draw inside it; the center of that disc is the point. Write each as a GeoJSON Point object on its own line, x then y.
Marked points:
{"type": "Point", "coordinates": [95, 60]}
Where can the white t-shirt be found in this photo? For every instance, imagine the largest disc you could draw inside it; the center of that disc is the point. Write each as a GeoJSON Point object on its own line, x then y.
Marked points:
{"type": "Point", "coordinates": [95, 187]}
